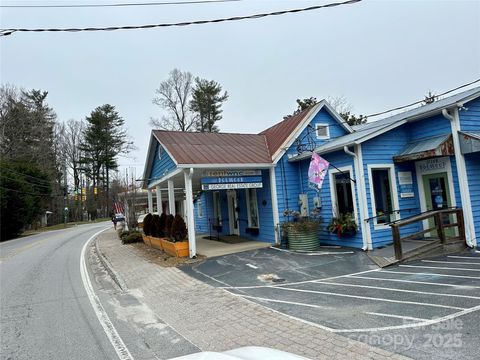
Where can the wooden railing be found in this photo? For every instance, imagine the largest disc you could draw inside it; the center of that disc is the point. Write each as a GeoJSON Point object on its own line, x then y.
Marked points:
{"type": "Point", "coordinates": [439, 228]}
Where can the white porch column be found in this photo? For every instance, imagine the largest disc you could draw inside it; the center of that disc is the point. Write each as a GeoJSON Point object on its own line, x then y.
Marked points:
{"type": "Point", "coordinates": [462, 177]}
{"type": "Point", "coordinates": [192, 244]}
{"type": "Point", "coordinates": [171, 197]}
{"type": "Point", "coordinates": [150, 201]}
{"type": "Point", "coordinates": [273, 192]}
{"type": "Point", "coordinates": [159, 200]}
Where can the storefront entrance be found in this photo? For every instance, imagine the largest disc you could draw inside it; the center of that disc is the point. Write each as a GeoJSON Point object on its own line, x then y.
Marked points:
{"type": "Point", "coordinates": [437, 197]}
{"type": "Point", "coordinates": [233, 212]}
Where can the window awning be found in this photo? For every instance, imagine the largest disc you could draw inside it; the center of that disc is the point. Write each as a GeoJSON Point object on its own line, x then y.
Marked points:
{"type": "Point", "coordinates": [441, 145]}
{"type": "Point", "coordinates": [469, 141]}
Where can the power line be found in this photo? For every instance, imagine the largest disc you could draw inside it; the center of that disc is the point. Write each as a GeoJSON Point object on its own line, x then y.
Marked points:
{"type": "Point", "coordinates": [121, 4]}
{"type": "Point", "coordinates": [29, 193]}
{"type": "Point", "coordinates": [6, 32]}
{"type": "Point", "coordinates": [25, 182]}
{"type": "Point", "coordinates": [30, 176]}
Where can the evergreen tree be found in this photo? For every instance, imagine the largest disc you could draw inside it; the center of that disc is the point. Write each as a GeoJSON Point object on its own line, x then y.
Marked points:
{"type": "Point", "coordinates": [206, 103]}
{"type": "Point", "coordinates": [105, 139]}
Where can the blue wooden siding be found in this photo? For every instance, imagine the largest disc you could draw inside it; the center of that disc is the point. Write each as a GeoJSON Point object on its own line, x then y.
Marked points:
{"type": "Point", "coordinates": [201, 223]}
{"type": "Point", "coordinates": [380, 150]}
{"type": "Point", "coordinates": [472, 162]}
{"type": "Point", "coordinates": [425, 128]}
{"type": "Point", "coordinates": [470, 118]}
{"type": "Point", "coordinates": [161, 167]}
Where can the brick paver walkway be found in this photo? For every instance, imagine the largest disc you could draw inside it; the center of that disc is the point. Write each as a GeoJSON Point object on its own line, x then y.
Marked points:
{"type": "Point", "coordinates": [215, 320]}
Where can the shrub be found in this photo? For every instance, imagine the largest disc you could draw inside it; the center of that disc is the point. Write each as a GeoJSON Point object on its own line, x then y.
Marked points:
{"type": "Point", "coordinates": [147, 224]}
{"type": "Point", "coordinates": [122, 234]}
{"type": "Point", "coordinates": [179, 229]}
{"type": "Point", "coordinates": [132, 237]}
{"type": "Point", "coordinates": [155, 229]}
{"type": "Point", "coordinates": [168, 225]}
{"type": "Point", "coordinates": [163, 219]}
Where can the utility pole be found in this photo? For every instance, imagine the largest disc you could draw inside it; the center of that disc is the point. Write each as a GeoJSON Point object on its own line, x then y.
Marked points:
{"type": "Point", "coordinates": [65, 194]}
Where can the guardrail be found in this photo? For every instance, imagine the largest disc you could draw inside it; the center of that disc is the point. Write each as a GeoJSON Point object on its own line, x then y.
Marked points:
{"type": "Point", "coordinates": [439, 228]}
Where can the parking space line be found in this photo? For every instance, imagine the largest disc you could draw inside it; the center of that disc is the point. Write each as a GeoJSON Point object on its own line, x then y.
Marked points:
{"type": "Point", "coordinates": [399, 290]}
{"type": "Point", "coordinates": [282, 301]}
{"type": "Point", "coordinates": [418, 282]}
{"type": "Point", "coordinates": [396, 316]}
{"type": "Point", "coordinates": [432, 274]}
{"type": "Point", "coordinates": [372, 298]}
{"type": "Point", "coordinates": [293, 283]}
{"type": "Point", "coordinates": [437, 267]}
{"type": "Point", "coordinates": [451, 262]}
{"type": "Point", "coordinates": [464, 257]}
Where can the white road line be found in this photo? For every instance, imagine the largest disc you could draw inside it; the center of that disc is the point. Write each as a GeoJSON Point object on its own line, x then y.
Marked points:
{"type": "Point", "coordinates": [112, 334]}
{"type": "Point", "coordinates": [437, 267]}
{"type": "Point", "coordinates": [399, 290]}
{"type": "Point", "coordinates": [372, 298]}
{"type": "Point", "coordinates": [465, 257]}
{"type": "Point", "coordinates": [451, 262]}
{"type": "Point", "coordinates": [313, 253]}
{"type": "Point", "coordinates": [417, 282]}
{"type": "Point", "coordinates": [397, 316]}
{"type": "Point", "coordinates": [431, 274]}
{"type": "Point", "coordinates": [283, 301]}
{"type": "Point", "coordinates": [292, 283]}
{"type": "Point", "coordinates": [252, 266]}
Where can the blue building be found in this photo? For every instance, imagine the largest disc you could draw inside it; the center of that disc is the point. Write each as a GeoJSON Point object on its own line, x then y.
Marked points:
{"type": "Point", "coordinates": [423, 159]}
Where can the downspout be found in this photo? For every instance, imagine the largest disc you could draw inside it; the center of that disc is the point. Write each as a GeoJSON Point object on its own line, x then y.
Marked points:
{"type": "Point", "coordinates": [362, 195]}
{"type": "Point", "coordinates": [462, 175]}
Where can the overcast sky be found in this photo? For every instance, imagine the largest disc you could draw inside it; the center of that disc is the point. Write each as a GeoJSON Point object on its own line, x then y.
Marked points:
{"type": "Point", "coordinates": [377, 54]}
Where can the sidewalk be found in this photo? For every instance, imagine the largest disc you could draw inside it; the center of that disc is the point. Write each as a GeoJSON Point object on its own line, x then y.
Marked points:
{"type": "Point", "coordinates": [215, 320]}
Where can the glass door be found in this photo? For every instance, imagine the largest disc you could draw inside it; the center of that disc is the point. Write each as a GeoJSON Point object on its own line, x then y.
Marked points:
{"type": "Point", "coordinates": [438, 197]}
{"type": "Point", "coordinates": [233, 212]}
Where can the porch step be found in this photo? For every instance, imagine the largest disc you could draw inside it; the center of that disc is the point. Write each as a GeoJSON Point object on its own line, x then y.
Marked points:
{"type": "Point", "coordinates": [382, 261]}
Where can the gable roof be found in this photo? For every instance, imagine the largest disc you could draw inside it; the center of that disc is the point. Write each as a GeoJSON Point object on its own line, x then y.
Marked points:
{"type": "Point", "coordinates": [214, 148]}
{"type": "Point", "coordinates": [277, 134]}
{"type": "Point", "coordinates": [372, 129]}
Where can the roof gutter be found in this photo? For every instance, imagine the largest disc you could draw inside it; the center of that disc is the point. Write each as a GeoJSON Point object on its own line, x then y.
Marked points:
{"type": "Point", "coordinates": [362, 194]}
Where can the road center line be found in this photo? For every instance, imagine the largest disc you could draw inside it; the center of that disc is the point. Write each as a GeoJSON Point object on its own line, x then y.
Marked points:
{"type": "Point", "coordinates": [437, 267]}
{"type": "Point", "coordinates": [399, 290]}
{"type": "Point", "coordinates": [372, 298]}
{"type": "Point", "coordinates": [112, 334]}
{"type": "Point", "coordinates": [417, 282]}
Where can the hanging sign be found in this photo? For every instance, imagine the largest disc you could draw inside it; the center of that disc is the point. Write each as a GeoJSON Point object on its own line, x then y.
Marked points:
{"type": "Point", "coordinates": [317, 171]}
{"type": "Point", "coordinates": [255, 185]}
{"type": "Point", "coordinates": [227, 173]}
{"type": "Point", "coordinates": [236, 179]}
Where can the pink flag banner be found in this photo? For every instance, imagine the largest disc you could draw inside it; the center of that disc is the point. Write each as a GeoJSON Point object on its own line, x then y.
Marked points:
{"type": "Point", "coordinates": [317, 171]}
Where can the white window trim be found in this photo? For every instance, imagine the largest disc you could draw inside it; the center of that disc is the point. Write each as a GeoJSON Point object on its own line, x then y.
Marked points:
{"type": "Point", "coordinates": [322, 137]}
{"type": "Point", "coordinates": [333, 193]}
{"type": "Point", "coordinates": [393, 189]}
{"type": "Point", "coordinates": [247, 196]}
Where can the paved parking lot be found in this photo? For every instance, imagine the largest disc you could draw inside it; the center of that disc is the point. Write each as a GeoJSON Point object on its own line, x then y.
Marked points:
{"type": "Point", "coordinates": [424, 309]}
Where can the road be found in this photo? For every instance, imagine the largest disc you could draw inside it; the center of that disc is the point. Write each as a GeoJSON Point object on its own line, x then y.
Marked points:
{"type": "Point", "coordinates": [51, 307]}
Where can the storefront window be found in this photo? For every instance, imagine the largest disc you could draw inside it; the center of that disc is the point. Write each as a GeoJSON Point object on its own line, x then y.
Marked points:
{"type": "Point", "coordinates": [252, 206]}
{"type": "Point", "coordinates": [343, 192]}
{"type": "Point", "coordinates": [382, 195]}
{"type": "Point", "coordinates": [217, 209]}
{"type": "Point", "coordinates": [199, 208]}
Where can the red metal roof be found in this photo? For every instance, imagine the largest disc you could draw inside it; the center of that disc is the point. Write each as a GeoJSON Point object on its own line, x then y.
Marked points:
{"type": "Point", "coordinates": [278, 133]}
{"type": "Point", "coordinates": [214, 148]}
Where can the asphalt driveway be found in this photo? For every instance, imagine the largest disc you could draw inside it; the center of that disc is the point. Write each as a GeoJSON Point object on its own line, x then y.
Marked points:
{"type": "Point", "coordinates": [424, 309]}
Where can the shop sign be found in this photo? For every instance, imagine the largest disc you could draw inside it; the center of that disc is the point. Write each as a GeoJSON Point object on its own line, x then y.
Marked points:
{"type": "Point", "coordinates": [433, 165]}
{"type": "Point", "coordinates": [229, 173]}
{"type": "Point", "coordinates": [232, 186]}
{"type": "Point", "coordinates": [405, 181]}
{"type": "Point", "coordinates": [231, 179]}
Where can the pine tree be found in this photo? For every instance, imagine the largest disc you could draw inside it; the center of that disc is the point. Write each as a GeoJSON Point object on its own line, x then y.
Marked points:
{"type": "Point", "coordinates": [206, 103]}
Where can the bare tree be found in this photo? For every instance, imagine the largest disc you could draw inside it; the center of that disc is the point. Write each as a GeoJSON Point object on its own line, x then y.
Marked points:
{"type": "Point", "coordinates": [173, 95]}
{"type": "Point", "coordinates": [344, 108]}
{"type": "Point", "coordinates": [72, 137]}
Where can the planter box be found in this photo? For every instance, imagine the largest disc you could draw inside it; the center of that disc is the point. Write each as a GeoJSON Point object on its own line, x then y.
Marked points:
{"type": "Point", "coordinates": [156, 242]}
{"type": "Point", "coordinates": [146, 239]}
{"type": "Point", "coordinates": [303, 240]}
{"type": "Point", "coordinates": [178, 249]}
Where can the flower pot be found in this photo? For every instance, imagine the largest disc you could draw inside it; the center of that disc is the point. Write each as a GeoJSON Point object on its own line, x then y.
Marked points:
{"type": "Point", "coordinates": [178, 249]}
{"type": "Point", "coordinates": [303, 240]}
{"type": "Point", "coordinates": [156, 242]}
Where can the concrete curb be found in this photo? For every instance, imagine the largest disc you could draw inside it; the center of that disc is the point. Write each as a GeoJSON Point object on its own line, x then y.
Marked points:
{"type": "Point", "coordinates": [106, 264]}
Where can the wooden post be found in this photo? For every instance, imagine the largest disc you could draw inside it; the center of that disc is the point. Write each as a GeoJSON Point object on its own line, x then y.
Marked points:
{"type": "Point", "coordinates": [440, 230]}
{"type": "Point", "coordinates": [397, 242]}
{"type": "Point", "coordinates": [461, 225]}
